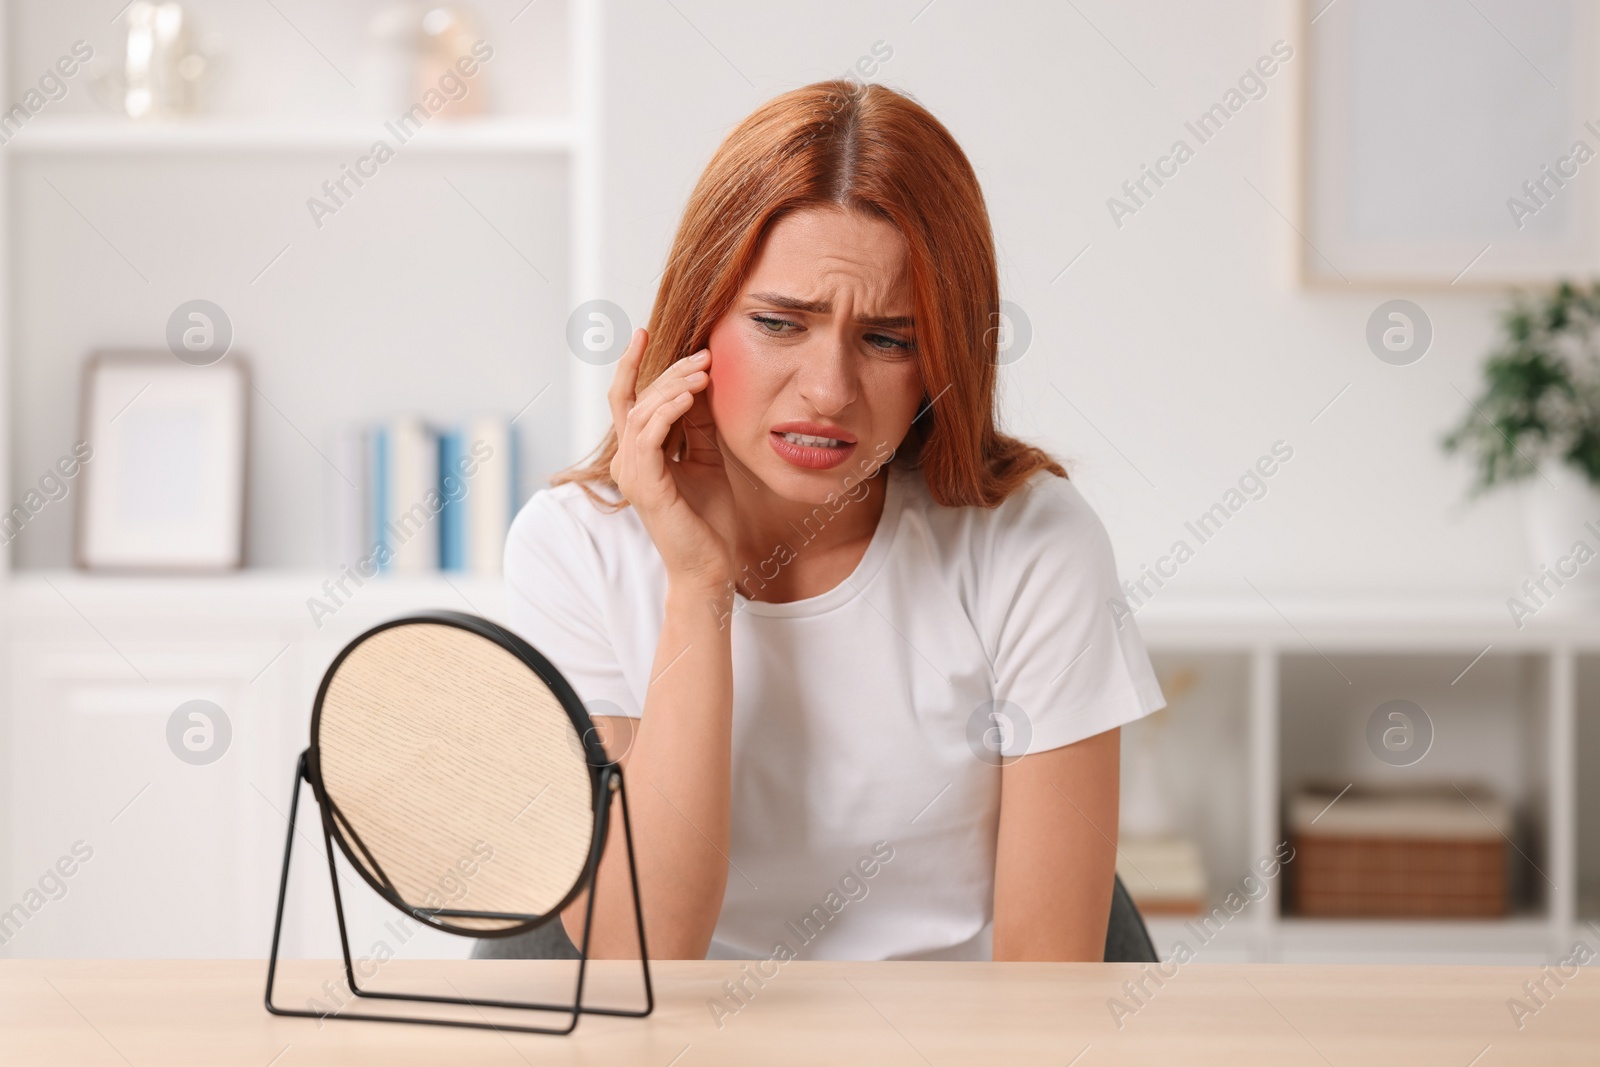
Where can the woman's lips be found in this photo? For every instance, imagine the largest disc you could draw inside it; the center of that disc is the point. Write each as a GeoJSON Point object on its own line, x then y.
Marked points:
{"type": "Point", "coordinates": [808, 456]}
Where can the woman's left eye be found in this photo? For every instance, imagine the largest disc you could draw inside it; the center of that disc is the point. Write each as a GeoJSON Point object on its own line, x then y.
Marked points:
{"type": "Point", "coordinates": [889, 343]}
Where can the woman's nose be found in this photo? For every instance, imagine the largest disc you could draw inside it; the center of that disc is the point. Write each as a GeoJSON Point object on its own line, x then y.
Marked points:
{"type": "Point", "coordinates": [828, 375]}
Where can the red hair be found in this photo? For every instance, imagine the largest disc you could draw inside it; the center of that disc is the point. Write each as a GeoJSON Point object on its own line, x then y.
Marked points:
{"type": "Point", "coordinates": [862, 148]}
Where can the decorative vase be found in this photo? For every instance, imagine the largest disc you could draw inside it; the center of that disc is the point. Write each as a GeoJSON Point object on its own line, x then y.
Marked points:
{"type": "Point", "coordinates": [1562, 517]}
{"type": "Point", "coordinates": [160, 67]}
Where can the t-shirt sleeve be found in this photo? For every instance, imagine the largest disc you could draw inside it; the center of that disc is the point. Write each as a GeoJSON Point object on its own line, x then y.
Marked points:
{"type": "Point", "coordinates": [1067, 656]}
{"type": "Point", "coordinates": [554, 593]}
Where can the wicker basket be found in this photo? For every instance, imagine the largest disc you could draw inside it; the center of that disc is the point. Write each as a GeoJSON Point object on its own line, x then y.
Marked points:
{"type": "Point", "coordinates": [1398, 854]}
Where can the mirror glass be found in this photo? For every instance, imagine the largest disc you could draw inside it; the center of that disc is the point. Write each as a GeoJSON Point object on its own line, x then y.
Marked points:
{"type": "Point", "coordinates": [457, 776]}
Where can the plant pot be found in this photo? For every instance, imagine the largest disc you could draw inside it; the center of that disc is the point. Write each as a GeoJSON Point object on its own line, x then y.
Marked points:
{"type": "Point", "coordinates": [1562, 517]}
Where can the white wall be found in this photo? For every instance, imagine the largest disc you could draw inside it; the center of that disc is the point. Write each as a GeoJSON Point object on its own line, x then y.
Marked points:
{"type": "Point", "coordinates": [1179, 337]}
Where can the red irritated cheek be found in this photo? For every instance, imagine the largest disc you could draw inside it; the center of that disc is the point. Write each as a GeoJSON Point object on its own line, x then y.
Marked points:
{"type": "Point", "coordinates": [729, 388]}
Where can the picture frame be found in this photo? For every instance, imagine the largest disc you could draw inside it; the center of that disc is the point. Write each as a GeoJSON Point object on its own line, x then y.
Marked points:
{"type": "Point", "coordinates": [1417, 128]}
{"type": "Point", "coordinates": [167, 490]}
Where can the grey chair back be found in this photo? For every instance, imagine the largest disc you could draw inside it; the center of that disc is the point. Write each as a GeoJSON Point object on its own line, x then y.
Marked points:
{"type": "Point", "coordinates": [1127, 940]}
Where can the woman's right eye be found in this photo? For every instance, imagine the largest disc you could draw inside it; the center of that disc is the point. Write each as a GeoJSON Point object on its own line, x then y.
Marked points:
{"type": "Point", "coordinates": [768, 323]}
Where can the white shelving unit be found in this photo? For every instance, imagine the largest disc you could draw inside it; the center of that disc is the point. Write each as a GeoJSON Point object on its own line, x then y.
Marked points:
{"type": "Point", "coordinates": [88, 141]}
{"type": "Point", "coordinates": [109, 136]}
{"type": "Point", "coordinates": [76, 641]}
{"type": "Point", "coordinates": [91, 666]}
{"type": "Point", "coordinates": [1507, 707]}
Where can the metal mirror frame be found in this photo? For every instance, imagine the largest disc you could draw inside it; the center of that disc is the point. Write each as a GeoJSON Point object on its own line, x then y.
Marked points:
{"type": "Point", "coordinates": [606, 777]}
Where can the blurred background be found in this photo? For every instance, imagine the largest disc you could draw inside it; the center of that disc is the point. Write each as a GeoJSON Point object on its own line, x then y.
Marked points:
{"type": "Point", "coordinates": [1299, 292]}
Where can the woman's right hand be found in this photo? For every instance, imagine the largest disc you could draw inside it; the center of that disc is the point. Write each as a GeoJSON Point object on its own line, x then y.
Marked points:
{"type": "Point", "coordinates": [686, 504]}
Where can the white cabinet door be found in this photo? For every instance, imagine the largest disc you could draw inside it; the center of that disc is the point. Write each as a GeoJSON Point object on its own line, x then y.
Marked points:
{"type": "Point", "coordinates": [169, 842]}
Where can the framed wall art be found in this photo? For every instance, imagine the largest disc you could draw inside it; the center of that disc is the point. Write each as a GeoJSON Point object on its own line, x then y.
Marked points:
{"type": "Point", "coordinates": [1447, 144]}
{"type": "Point", "coordinates": [166, 491]}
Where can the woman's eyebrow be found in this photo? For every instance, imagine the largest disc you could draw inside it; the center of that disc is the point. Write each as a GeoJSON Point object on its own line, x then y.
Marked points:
{"type": "Point", "coordinates": [823, 307]}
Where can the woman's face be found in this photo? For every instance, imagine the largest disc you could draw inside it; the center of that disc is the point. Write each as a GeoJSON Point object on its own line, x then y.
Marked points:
{"type": "Point", "coordinates": [819, 343]}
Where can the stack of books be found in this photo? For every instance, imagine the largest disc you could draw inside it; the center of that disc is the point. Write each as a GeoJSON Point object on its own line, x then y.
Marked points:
{"type": "Point", "coordinates": [1163, 874]}
{"type": "Point", "coordinates": [412, 496]}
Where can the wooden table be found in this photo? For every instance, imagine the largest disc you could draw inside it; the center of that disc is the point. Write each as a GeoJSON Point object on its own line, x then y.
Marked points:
{"type": "Point", "coordinates": [69, 1012]}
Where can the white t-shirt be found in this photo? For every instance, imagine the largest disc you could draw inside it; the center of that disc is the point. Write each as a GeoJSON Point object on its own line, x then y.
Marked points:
{"type": "Point", "coordinates": [867, 748]}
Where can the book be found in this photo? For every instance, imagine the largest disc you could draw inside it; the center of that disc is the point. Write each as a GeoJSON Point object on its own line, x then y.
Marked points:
{"type": "Point", "coordinates": [426, 496]}
{"type": "Point", "coordinates": [406, 499]}
{"type": "Point", "coordinates": [454, 487]}
{"type": "Point", "coordinates": [346, 496]}
{"type": "Point", "coordinates": [492, 499]}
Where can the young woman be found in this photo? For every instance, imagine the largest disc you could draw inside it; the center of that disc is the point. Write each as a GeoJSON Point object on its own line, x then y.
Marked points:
{"type": "Point", "coordinates": [855, 647]}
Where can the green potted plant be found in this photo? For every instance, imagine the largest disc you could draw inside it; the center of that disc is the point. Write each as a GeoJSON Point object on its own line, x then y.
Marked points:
{"type": "Point", "coordinates": [1537, 425]}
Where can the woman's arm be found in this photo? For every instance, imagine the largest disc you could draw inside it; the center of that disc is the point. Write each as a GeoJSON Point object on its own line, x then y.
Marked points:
{"type": "Point", "coordinates": [677, 756]}
{"type": "Point", "coordinates": [1056, 854]}
{"type": "Point", "coordinates": [677, 762]}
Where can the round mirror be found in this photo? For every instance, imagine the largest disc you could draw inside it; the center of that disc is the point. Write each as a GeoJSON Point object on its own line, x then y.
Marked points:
{"type": "Point", "coordinates": [459, 772]}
